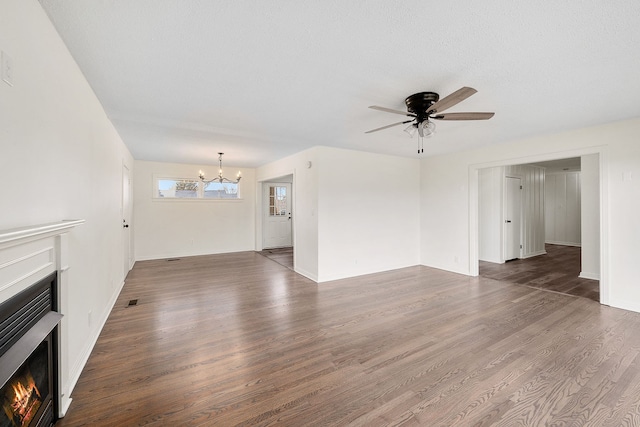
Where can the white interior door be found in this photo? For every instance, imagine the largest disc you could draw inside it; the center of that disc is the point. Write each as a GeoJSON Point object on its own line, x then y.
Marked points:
{"type": "Point", "coordinates": [126, 220]}
{"type": "Point", "coordinates": [512, 219]}
{"type": "Point", "coordinates": [277, 215]}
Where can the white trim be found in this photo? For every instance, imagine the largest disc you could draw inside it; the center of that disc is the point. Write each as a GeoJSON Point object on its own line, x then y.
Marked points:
{"type": "Point", "coordinates": [76, 371]}
{"type": "Point", "coordinates": [259, 215]}
{"type": "Point", "coordinates": [26, 257]}
{"type": "Point", "coordinates": [199, 192]}
{"type": "Point", "coordinates": [553, 242]}
{"type": "Point", "coordinates": [623, 304]}
{"type": "Point", "coordinates": [590, 276]}
{"type": "Point", "coordinates": [307, 274]}
{"type": "Point", "coordinates": [193, 199]}
{"type": "Point", "coordinates": [24, 276]}
{"type": "Point", "coordinates": [534, 254]}
{"type": "Point", "coordinates": [605, 290]}
{"type": "Point", "coordinates": [42, 230]}
{"type": "Point", "coordinates": [601, 150]}
{"type": "Point", "coordinates": [42, 257]}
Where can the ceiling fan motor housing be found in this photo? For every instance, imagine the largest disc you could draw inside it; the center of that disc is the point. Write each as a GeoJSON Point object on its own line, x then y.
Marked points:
{"type": "Point", "coordinates": [419, 103]}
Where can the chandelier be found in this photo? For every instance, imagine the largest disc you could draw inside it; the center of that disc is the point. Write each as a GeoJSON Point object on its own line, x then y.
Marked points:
{"type": "Point", "coordinates": [221, 179]}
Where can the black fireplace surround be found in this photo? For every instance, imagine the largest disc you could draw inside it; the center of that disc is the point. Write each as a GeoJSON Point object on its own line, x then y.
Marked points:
{"type": "Point", "coordinates": [28, 356]}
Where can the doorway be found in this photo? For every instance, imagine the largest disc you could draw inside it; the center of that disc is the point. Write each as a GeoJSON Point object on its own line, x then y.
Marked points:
{"type": "Point", "coordinates": [512, 222]}
{"type": "Point", "coordinates": [277, 229]}
{"type": "Point", "coordinates": [277, 207]}
{"type": "Point", "coordinates": [571, 264]}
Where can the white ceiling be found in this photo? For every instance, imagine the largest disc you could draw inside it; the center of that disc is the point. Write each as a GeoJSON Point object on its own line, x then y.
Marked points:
{"type": "Point", "coordinates": [259, 80]}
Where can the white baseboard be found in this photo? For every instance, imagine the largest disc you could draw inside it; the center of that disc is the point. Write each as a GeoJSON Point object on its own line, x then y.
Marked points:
{"type": "Point", "coordinates": [306, 274]}
{"type": "Point", "coordinates": [76, 371]}
{"type": "Point", "coordinates": [156, 257]}
{"type": "Point", "coordinates": [625, 305]}
{"type": "Point", "coordinates": [64, 406]}
{"type": "Point", "coordinates": [495, 261]}
{"type": "Point", "coordinates": [564, 244]}
{"type": "Point", "coordinates": [531, 255]}
{"type": "Point", "coordinates": [590, 276]}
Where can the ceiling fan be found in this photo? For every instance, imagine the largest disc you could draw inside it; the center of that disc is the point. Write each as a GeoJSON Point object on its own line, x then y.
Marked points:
{"type": "Point", "coordinates": [423, 107]}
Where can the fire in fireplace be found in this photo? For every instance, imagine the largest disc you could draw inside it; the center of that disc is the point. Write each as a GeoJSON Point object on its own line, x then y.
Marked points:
{"type": "Point", "coordinates": [21, 396]}
{"type": "Point", "coordinates": [27, 366]}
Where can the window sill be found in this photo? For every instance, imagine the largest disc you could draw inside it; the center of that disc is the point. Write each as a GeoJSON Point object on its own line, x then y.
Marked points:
{"type": "Point", "coordinates": [193, 199]}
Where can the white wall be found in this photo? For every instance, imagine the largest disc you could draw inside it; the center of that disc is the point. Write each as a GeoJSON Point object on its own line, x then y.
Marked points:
{"type": "Point", "coordinates": [590, 213]}
{"type": "Point", "coordinates": [304, 168]}
{"type": "Point", "coordinates": [562, 209]}
{"type": "Point", "coordinates": [165, 228]}
{"type": "Point", "coordinates": [368, 213]}
{"type": "Point", "coordinates": [450, 182]}
{"type": "Point", "coordinates": [61, 158]}
{"type": "Point", "coordinates": [354, 213]}
{"type": "Point", "coordinates": [490, 214]}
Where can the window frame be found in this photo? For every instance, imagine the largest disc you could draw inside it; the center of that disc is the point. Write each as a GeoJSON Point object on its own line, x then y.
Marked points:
{"type": "Point", "coordinates": [199, 192]}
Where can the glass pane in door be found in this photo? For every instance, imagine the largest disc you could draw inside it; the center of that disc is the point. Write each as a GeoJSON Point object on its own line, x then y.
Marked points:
{"type": "Point", "coordinates": [277, 201]}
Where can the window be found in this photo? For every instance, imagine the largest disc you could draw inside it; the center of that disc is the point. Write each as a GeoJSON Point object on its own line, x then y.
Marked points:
{"type": "Point", "coordinates": [215, 190]}
{"type": "Point", "coordinates": [184, 188]}
{"type": "Point", "coordinates": [178, 188]}
{"type": "Point", "coordinates": [277, 201]}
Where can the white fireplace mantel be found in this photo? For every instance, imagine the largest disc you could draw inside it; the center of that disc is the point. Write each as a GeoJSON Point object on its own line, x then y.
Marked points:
{"type": "Point", "coordinates": [15, 235]}
{"type": "Point", "coordinates": [27, 255]}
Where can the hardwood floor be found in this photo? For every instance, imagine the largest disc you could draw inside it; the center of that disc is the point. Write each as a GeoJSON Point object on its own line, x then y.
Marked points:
{"type": "Point", "coordinates": [237, 339]}
{"type": "Point", "coordinates": [556, 271]}
{"type": "Point", "coordinates": [283, 256]}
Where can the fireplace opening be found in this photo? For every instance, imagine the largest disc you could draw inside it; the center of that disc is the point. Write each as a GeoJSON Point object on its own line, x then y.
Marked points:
{"type": "Point", "coordinates": [26, 396]}
{"type": "Point", "coordinates": [28, 356]}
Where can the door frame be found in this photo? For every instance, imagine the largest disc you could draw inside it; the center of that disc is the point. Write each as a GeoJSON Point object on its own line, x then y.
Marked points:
{"type": "Point", "coordinates": [259, 218]}
{"type": "Point", "coordinates": [602, 151]}
{"type": "Point", "coordinates": [265, 214]}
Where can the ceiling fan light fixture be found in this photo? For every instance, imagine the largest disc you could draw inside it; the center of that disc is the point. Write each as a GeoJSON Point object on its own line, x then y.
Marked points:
{"type": "Point", "coordinates": [429, 128]}
{"type": "Point", "coordinates": [411, 129]}
{"type": "Point", "coordinates": [424, 107]}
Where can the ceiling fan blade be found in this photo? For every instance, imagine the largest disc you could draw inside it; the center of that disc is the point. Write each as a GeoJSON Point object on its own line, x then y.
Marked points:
{"type": "Point", "coordinates": [388, 126]}
{"type": "Point", "coordinates": [463, 116]}
{"type": "Point", "coordinates": [389, 110]}
{"type": "Point", "coordinates": [451, 100]}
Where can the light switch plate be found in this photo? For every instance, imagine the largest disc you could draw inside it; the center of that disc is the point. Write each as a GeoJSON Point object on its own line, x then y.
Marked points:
{"type": "Point", "coordinates": [6, 68]}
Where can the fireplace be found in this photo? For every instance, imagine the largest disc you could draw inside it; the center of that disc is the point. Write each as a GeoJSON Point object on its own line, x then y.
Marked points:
{"type": "Point", "coordinates": [28, 353]}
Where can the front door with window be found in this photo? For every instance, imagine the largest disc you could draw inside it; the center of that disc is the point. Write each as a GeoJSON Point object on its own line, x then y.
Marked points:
{"type": "Point", "coordinates": [277, 219]}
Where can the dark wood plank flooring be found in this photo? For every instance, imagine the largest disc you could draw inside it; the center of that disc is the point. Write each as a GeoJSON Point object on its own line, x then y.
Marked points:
{"type": "Point", "coordinates": [556, 271]}
{"type": "Point", "coordinates": [283, 256]}
{"type": "Point", "coordinates": [237, 339]}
